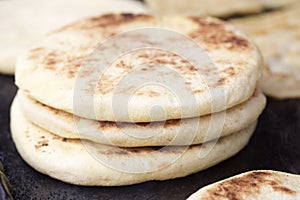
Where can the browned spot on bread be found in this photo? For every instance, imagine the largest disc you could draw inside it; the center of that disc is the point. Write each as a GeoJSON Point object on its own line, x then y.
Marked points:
{"type": "Point", "coordinates": [117, 19]}
{"type": "Point", "coordinates": [121, 64]}
{"type": "Point", "coordinates": [106, 125]}
{"type": "Point", "coordinates": [247, 185]}
{"type": "Point", "coordinates": [237, 42]}
{"type": "Point", "coordinates": [42, 143]}
{"type": "Point", "coordinates": [153, 93]}
{"type": "Point", "coordinates": [35, 53]}
{"type": "Point", "coordinates": [64, 139]}
{"type": "Point", "coordinates": [108, 20]}
{"type": "Point", "coordinates": [284, 190]}
{"type": "Point", "coordinates": [202, 22]}
{"type": "Point", "coordinates": [197, 91]}
{"type": "Point", "coordinates": [214, 32]}
{"type": "Point", "coordinates": [229, 71]}
{"type": "Point", "coordinates": [172, 122]}
{"type": "Point", "coordinates": [221, 81]}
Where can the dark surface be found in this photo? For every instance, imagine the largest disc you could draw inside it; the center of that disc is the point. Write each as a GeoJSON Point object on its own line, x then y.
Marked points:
{"type": "Point", "coordinates": [275, 145]}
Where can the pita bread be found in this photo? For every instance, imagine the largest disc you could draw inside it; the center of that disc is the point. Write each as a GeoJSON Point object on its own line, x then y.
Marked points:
{"type": "Point", "coordinates": [175, 132]}
{"type": "Point", "coordinates": [62, 71]}
{"type": "Point", "coordinates": [72, 161]}
{"type": "Point", "coordinates": [218, 8]}
{"type": "Point", "coordinates": [28, 20]}
{"type": "Point", "coordinates": [277, 35]}
{"type": "Point", "coordinates": [253, 185]}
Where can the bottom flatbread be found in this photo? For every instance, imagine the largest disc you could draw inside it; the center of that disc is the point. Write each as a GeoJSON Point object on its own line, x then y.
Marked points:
{"type": "Point", "coordinates": [253, 185]}
{"type": "Point", "coordinates": [87, 163]}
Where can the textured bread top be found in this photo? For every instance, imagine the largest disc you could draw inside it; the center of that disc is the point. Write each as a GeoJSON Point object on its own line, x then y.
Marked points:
{"type": "Point", "coordinates": [136, 82]}
{"type": "Point", "coordinates": [253, 185]}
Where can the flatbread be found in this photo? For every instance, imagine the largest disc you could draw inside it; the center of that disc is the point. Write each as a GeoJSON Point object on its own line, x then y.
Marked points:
{"type": "Point", "coordinates": [277, 35]}
{"type": "Point", "coordinates": [146, 83]}
{"type": "Point", "coordinates": [218, 8]}
{"type": "Point", "coordinates": [71, 160]}
{"type": "Point", "coordinates": [258, 185]}
{"type": "Point", "coordinates": [175, 132]}
{"type": "Point", "coordinates": [23, 22]}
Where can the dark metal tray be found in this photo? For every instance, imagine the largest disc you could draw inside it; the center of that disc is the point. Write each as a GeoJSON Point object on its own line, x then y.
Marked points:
{"type": "Point", "coordinates": [275, 145]}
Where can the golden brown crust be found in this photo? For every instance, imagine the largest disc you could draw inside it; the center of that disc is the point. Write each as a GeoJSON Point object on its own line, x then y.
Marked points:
{"type": "Point", "coordinates": [216, 33]}
{"type": "Point", "coordinates": [249, 185]}
{"type": "Point", "coordinates": [212, 33]}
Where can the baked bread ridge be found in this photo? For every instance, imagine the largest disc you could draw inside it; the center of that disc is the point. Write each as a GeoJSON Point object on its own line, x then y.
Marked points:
{"type": "Point", "coordinates": [173, 132]}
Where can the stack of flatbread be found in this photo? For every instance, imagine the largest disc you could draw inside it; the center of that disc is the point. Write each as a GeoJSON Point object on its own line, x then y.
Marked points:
{"type": "Point", "coordinates": [170, 105]}
{"type": "Point", "coordinates": [24, 22]}
{"type": "Point", "coordinates": [277, 34]}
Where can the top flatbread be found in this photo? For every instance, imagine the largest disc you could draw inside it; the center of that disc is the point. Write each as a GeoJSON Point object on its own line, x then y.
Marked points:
{"type": "Point", "coordinates": [25, 21]}
{"type": "Point", "coordinates": [253, 185]}
{"type": "Point", "coordinates": [278, 36]}
{"type": "Point", "coordinates": [149, 84]}
{"type": "Point", "coordinates": [218, 8]}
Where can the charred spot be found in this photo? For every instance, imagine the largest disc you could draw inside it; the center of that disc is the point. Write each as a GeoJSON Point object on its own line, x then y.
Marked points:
{"type": "Point", "coordinates": [221, 81]}
{"type": "Point", "coordinates": [203, 22]}
{"type": "Point", "coordinates": [172, 122]}
{"type": "Point", "coordinates": [214, 32]}
{"type": "Point", "coordinates": [145, 124]}
{"type": "Point", "coordinates": [259, 174]}
{"type": "Point", "coordinates": [41, 144]}
{"type": "Point", "coordinates": [192, 68]}
{"type": "Point", "coordinates": [284, 190]}
{"type": "Point", "coordinates": [64, 140]}
{"type": "Point", "coordinates": [106, 124]}
{"type": "Point", "coordinates": [113, 20]}
{"type": "Point", "coordinates": [127, 16]}
{"type": "Point", "coordinates": [237, 41]}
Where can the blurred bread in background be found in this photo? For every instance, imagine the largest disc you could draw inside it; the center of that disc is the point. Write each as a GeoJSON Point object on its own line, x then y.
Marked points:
{"type": "Point", "coordinates": [217, 8]}
{"type": "Point", "coordinates": [25, 21]}
{"type": "Point", "coordinates": [277, 34]}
